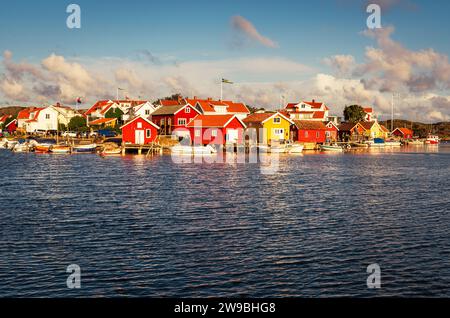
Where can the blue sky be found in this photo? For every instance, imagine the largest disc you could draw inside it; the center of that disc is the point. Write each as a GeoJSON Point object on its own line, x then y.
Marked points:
{"type": "Point", "coordinates": [305, 30]}
{"type": "Point", "coordinates": [199, 34]}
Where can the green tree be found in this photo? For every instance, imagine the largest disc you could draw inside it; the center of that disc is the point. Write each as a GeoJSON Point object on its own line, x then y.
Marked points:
{"type": "Point", "coordinates": [354, 113]}
{"type": "Point", "coordinates": [78, 123]}
{"type": "Point", "coordinates": [114, 113]}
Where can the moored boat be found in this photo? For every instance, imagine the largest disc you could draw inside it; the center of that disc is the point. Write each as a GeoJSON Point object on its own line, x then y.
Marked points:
{"type": "Point", "coordinates": [296, 148]}
{"type": "Point", "coordinates": [85, 148]}
{"type": "Point", "coordinates": [60, 149]}
{"type": "Point", "coordinates": [111, 152]}
{"type": "Point", "coordinates": [334, 147]}
{"type": "Point", "coordinates": [392, 143]}
{"type": "Point", "coordinates": [432, 140]}
{"type": "Point", "coordinates": [359, 145]}
{"type": "Point", "coordinates": [415, 142]}
{"type": "Point", "coordinates": [193, 150]}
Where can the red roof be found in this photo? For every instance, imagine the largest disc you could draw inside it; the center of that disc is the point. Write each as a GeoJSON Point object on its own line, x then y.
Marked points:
{"type": "Point", "coordinates": [319, 115]}
{"type": "Point", "coordinates": [24, 114]}
{"type": "Point", "coordinates": [102, 121]}
{"type": "Point", "coordinates": [216, 121]}
{"type": "Point", "coordinates": [208, 105]}
{"type": "Point", "coordinates": [405, 131]}
{"type": "Point", "coordinates": [368, 109]}
{"type": "Point", "coordinates": [36, 112]}
{"type": "Point", "coordinates": [144, 119]}
{"type": "Point", "coordinates": [98, 105]}
{"type": "Point", "coordinates": [258, 117]}
{"type": "Point", "coordinates": [169, 102]}
{"type": "Point", "coordinates": [4, 118]}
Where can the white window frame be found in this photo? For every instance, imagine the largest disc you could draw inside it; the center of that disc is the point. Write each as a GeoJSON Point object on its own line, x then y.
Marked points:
{"type": "Point", "coordinates": [187, 110]}
{"type": "Point", "coordinates": [148, 133]}
{"type": "Point", "coordinates": [139, 125]}
{"type": "Point", "coordinates": [277, 120]}
{"type": "Point", "coordinates": [214, 133]}
{"type": "Point", "coordinates": [180, 123]}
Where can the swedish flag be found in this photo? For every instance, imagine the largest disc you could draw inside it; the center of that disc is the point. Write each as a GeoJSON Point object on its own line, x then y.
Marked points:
{"type": "Point", "coordinates": [226, 81]}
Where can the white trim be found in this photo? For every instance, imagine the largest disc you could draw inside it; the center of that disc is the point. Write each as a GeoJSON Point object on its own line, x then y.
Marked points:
{"type": "Point", "coordinates": [280, 114]}
{"type": "Point", "coordinates": [148, 121]}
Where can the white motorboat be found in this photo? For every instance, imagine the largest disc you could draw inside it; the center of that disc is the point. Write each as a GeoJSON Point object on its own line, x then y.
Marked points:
{"type": "Point", "coordinates": [85, 148]}
{"type": "Point", "coordinates": [335, 148]}
{"type": "Point", "coordinates": [193, 150]}
{"type": "Point", "coordinates": [392, 143]}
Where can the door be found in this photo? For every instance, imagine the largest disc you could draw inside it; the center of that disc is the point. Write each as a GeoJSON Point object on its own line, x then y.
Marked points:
{"type": "Point", "coordinates": [139, 137]}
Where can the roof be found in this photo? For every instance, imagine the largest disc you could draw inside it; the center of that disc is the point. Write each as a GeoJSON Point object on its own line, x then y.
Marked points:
{"type": "Point", "coordinates": [386, 130]}
{"type": "Point", "coordinates": [144, 119]}
{"type": "Point", "coordinates": [208, 105]}
{"type": "Point", "coordinates": [310, 125]}
{"type": "Point", "coordinates": [213, 121]}
{"type": "Point", "coordinates": [102, 121]}
{"type": "Point", "coordinates": [319, 115]}
{"type": "Point", "coordinates": [313, 104]}
{"type": "Point", "coordinates": [263, 117]}
{"type": "Point", "coordinates": [368, 109]}
{"type": "Point", "coordinates": [368, 124]}
{"type": "Point", "coordinates": [347, 126]}
{"type": "Point", "coordinates": [98, 105]}
{"type": "Point", "coordinates": [3, 118]}
{"type": "Point", "coordinates": [404, 131]}
{"type": "Point", "coordinates": [24, 114]}
{"type": "Point", "coordinates": [11, 122]}
{"type": "Point", "coordinates": [36, 115]}
{"type": "Point", "coordinates": [169, 102]}
{"type": "Point", "coordinates": [168, 110]}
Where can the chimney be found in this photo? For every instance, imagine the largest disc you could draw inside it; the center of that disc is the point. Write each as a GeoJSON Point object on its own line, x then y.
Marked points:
{"type": "Point", "coordinates": [209, 99]}
{"type": "Point", "coordinates": [313, 101]}
{"type": "Point", "coordinates": [180, 99]}
{"type": "Point", "coordinates": [195, 97]}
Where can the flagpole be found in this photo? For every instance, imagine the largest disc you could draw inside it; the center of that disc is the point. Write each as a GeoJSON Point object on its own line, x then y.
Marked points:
{"type": "Point", "coordinates": [221, 89]}
{"type": "Point", "coordinates": [117, 95]}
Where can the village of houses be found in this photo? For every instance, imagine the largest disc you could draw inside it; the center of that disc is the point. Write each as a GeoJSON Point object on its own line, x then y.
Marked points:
{"type": "Point", "coordinates": [203, 123]}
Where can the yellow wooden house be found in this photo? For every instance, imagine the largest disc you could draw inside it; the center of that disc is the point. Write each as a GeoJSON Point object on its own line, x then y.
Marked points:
{"type": "Point", "coordinates": [271, 127]}
{"type": "Point", "coordinates": [373, 129]}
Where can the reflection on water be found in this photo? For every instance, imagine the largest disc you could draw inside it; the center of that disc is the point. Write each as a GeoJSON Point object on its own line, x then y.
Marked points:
{"type": "Point", "coordinates": [142, 226]}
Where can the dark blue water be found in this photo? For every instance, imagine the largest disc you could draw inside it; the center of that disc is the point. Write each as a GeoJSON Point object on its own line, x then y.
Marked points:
{"type": "Point", "coordinates": [149, 227]}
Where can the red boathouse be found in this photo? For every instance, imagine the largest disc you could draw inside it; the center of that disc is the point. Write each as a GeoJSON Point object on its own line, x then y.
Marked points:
{"type": "Point", "coordinates": [139, 131]}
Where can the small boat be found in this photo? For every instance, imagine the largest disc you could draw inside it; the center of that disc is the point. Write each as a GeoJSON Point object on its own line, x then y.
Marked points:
{"type": "Point", "coordinates": [60, 149]}
{"type": "Point", "coordinates": [111, 152]}
{"type": "Point", "coordinates": [296, 148]}
{"type": "Point", "coordinates": [193, 150]}
{"type": "Point", "coordinates": [22, 147]}
{"type": "Point", "coordinates": [392, 143]}
{"type": "Point", "coordinates": [7, 144]}
{"type": "Point", "coordinates": [334, 147]}
{"type": "Point", "coordinates": [359, 145]}
{"type": "Point", "coordinates": [43, 148]}
{"type": "Point", "coordinates": [415, 142]}
{"type": "Point", "coordinates": [85, 148]}
{"type": "Point", "coordinates": [432, 140]}
{"type": "Point", "coordinates": [376, 143]}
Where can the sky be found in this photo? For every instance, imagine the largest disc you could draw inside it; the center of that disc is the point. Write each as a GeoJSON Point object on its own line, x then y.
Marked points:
{"type": "Point", "coordinates": [272, 51]}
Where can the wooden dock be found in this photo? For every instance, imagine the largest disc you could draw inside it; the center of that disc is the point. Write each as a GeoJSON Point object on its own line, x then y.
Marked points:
{"type": "Point", "coordinates": [148, 150]}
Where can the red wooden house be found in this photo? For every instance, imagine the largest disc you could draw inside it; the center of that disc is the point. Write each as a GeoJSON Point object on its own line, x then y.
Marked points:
{"type": "Point", "coordinates": [216, 129]}
{"type": "Point", "coordinates": [11, 126]}
{"type": "Point", "coordinates": [174, 117]}
{"type": "Point", "coordinates": [309, 131]}
{"type": "Point", "coordinates": [404, 133]}
{"type": "Point", "coordinates": [139, 131]}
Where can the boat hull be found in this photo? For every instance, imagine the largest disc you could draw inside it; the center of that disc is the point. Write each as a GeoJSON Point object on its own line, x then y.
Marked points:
{"type": "Point", "coordinates": [85, 149]}
{"type": "Point", "coordinates": [332, 148]}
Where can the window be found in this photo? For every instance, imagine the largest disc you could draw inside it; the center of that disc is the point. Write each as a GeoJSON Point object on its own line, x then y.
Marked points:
{"type": "Point", "coordinates": [303, 106]}
{"type": "Point", "coordinates": [197, 133]}
{"type": "Point", "coordinates": [306, 134]}
{"type": "Point", "coordinates": [139, 125]}
{"type": "Point", "coordinates": [47, 116]}
{"type": "Point", "coordinates": [214, 133]}
{"type": "Point", "coordinates": [317, 134]}
{"type": "Point", "coordinates": [148, 133]}
{"type": "Point", "coordinates": [278, 131]}
{"type": "Point", "coordinates": [181, 121]}
{"type": "Point", "coordinates": [147, 112]}
{"type": "Point", "coordinates": [277, 120]}
{"type": "Point", "coordinates": [188, 110]}
{"type": "Point", "coordinates": [328, 134]}
{"type": "Point", "coordinates": [162, 122]}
